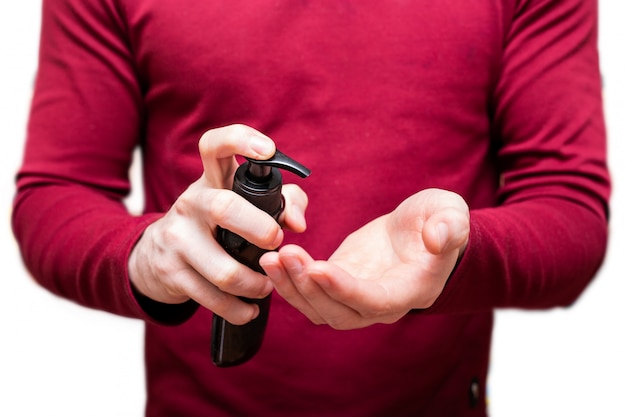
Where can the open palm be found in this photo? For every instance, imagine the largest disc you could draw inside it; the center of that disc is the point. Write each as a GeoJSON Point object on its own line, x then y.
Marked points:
{"type": "Point", "coordinates": [396, 263]}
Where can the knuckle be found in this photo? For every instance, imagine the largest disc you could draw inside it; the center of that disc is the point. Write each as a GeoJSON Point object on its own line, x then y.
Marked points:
{"type": "Point", "coordinates": [220, 303]}
{"type": "Point", "coordinates": [240, 132]}
{"type": "Point", "coordinates": [318, 321]}
{"type": "Point", "coordinates": [232, 309]}
{"type": "Point", "coordinates": [268, 234]}
{"type": "Point", "coordinates": [169, 240]}
{"type": "Point", "coordinates": [221, 206]}
{"type": "Point", "coordinates": [227, 276]}
{"type": "Point", "coordinates": [296, 194]}
{"type": "Point", "coordinates": [161, 269]}
{"type": "Point", "coordinates": [176, 282]}
{"type": "Point", "coordinates": [238, 129]}
{"type": "Point", "coordinates": [338, 323]}
{"type": "Point", "coordinates": [205, 144]}
{"type": "Point", "coordinates": [381, 309]}
{"type": "Point", "coordinates": [162, 254]}
{"type": "Point", "coordinates": [334, 325]}
{"type": "Point", "coordinates": [381, 312]}
{"type": "Point", "coordinates": [303, 196]}
{"type": "Point", "coordinates": [372, 314]}
{"type": "Point", "coordinates": [184, 205]}
{"type": "Point", "coordinates": [391, 319]}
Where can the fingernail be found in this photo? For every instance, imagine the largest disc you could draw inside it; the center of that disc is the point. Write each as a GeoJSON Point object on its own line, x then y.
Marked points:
{"type": "Point", "coordinates": [278, 239]}
{"type": "Point", "coordinates": [442, 234]}
{"type": "Point", "coordinates": [256, 312]}
{"type": "Point", "coordinates": [261, 145]}
{"type": "Point", "coordinates": [293, 265]}
{"type": "Point", "coordinates": [298, 216]}
{"type": "Point", "coordinates": [271, 270]}
{"type": "Point", "coordinates": [322, 280]}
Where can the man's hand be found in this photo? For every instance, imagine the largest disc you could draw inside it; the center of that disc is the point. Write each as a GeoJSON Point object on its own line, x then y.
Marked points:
{"type": "Point", "coordinates": [178, 257]}
{"type": "Point", "coordinates": [396, 263]}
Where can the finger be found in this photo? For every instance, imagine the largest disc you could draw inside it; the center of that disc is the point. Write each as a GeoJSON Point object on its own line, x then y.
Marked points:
{"type": "Point", "coordinates": [217, 148]}
{"type": "Point", "coordinates": [442, 217]}
{"type": "Point", "coordinates": [204, 254]}
{"type": "Point", "coordinates": [232, 212]}
{"type": "Point", "coordinates": [208, 258]}
{"type": "Point", "coordinates": [332, 311]}
{"type": "Point", "coordinates": [228, 306]}
{"type": "Point", "coordinates": [284, 286]}
{"type": "Point", "coordinates": [384, 300]}
{"type": "Point", "coordinates": [446, 230]}
{"type": "Point", "coordinates": [183, 242]}
{"type": "Point", "coordinates": [296, 202]}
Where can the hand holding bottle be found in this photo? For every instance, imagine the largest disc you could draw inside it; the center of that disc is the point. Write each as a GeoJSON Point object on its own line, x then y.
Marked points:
{"type": "Point", "coordinates": [260, 182]}
{"type": "Point", "coordinates": [178, 257]}
{"type": "Point", "coordinates": [396, 263]}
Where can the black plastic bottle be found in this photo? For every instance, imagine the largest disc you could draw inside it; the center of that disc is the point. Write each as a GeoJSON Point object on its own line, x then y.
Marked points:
{"type": "Point", "coordinates": [260, 182]}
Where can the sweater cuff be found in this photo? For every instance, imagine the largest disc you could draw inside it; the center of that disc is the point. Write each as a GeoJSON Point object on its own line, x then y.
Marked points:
{"type": "Point", "coordinates": [165, 314]}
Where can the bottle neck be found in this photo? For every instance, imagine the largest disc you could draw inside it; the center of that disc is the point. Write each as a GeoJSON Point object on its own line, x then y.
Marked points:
{"type": "Point", "coordinates": [264, 193]}
{"type": "Point", "coordinates": [258, 172]}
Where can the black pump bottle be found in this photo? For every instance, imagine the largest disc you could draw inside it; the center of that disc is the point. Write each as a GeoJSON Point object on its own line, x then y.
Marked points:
{"type": "Point", "coordinates": [259, 182]}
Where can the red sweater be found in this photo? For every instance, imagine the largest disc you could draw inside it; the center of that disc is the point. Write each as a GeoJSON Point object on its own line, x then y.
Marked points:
{"type": "Point", "coordinates": [498, 101]}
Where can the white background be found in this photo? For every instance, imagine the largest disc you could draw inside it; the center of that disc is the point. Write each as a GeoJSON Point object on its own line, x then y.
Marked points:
{"type": "Point", "coordinates": [58, 359]}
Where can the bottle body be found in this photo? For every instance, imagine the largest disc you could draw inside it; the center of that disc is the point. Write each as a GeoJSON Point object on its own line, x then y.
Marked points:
{"type": "Point", "coordinates": [259, 182]}
{"type": "Point", "coordinates": [234, 344]}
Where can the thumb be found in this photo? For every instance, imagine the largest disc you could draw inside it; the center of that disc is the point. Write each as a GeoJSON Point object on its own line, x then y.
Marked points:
{"type": "Point", "coordinates": [446, 224]}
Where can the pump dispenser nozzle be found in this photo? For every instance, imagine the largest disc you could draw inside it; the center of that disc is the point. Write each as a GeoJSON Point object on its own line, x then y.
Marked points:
{"type": "Point", "coordinates": [261, 169]}
{"type": "Point", "coordinates": [260, 182]}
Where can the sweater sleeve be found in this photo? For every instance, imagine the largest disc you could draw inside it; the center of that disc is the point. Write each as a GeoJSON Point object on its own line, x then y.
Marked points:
{"type": "Point", "coordinates": [543, 243]}
{"type": "Point", "coordinates": [69, 218]}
